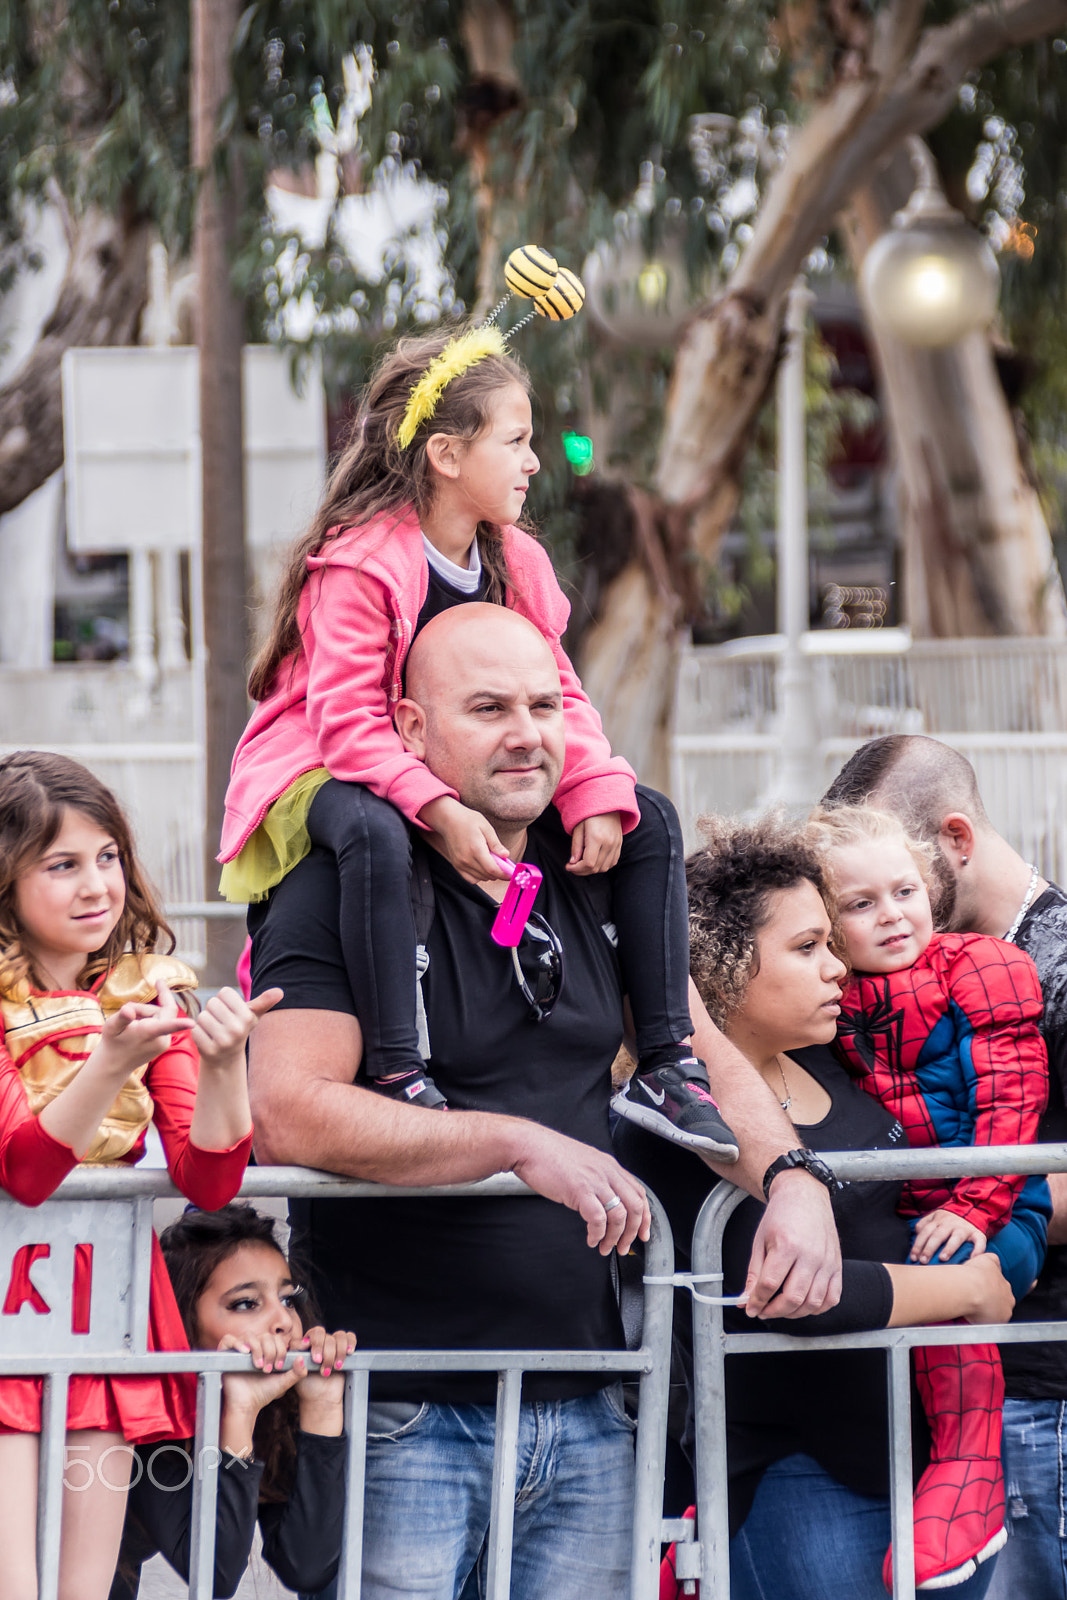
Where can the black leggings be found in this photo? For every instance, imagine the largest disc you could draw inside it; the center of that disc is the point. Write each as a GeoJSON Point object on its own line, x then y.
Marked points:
{"type": "Point", "coordinates": [372, 845]}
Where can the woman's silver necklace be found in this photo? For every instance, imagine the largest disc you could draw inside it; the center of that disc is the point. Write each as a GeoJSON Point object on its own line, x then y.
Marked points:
{"type": "Point", "coordinates": [788, 1101]}
{"type": "Point", "coordinates": [1009, 937]}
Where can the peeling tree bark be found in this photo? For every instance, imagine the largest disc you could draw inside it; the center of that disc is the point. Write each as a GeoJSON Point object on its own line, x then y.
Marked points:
{"type": "Point", "coordinates": [220, 336]}
{"type": "Point", "coordinates": [100, 303]}
{"type": "Point", "coordinates": [493, 92]}
{"type": "Point", "coordinates": [899, 82]}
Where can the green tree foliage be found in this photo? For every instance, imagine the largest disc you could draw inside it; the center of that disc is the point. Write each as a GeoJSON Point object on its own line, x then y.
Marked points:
{"type": "Point", "coordinates": [592, 103]}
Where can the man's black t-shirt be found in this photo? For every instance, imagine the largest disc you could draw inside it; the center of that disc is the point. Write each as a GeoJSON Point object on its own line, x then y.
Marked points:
{"type": "Point", "coordinates": [464, 1273]}
{"type": "Point", "coordinates": [1039, 1371]}
{"type": "Point", "coordinates": [442, 596]}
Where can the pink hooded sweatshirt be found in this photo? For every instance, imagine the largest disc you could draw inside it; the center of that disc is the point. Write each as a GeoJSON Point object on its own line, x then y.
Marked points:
{"type": "Point", "coordinates": [332, 702]}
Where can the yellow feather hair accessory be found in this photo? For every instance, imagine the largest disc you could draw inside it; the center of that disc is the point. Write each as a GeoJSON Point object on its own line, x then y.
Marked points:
{"type": "Point", "coordinates": [456, 357]}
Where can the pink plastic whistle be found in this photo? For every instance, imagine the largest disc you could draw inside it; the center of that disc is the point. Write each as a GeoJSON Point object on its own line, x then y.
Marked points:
{"type": "Point", "coordinates": [517, 904]}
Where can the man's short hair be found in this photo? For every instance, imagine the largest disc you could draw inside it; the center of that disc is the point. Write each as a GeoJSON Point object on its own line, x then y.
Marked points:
{"type": "Point", "coordinates": [919, 779]}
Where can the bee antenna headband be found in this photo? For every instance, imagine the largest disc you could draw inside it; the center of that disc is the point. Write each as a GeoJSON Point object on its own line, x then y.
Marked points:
{"type": "Point", "coordinates": [530, 274]}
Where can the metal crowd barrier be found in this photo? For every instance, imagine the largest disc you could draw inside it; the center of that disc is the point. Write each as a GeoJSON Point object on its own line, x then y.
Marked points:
{"type": "Point", "coordinates": [704, 1555]}
{"type": "Point", "coordinates": [85, 1310]}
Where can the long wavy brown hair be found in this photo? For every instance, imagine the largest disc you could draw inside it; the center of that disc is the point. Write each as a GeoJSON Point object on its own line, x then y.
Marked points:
{"type": "Point", "coordinates": [36, 790]}
{"type": "Point", "coordinates": [193, 1246]}
{"type": "Point", "coordinates": [374, 478]}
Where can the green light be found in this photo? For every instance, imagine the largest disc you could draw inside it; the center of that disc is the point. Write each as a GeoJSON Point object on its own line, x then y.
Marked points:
{"type": "Point", "coordinates": [578, 449]}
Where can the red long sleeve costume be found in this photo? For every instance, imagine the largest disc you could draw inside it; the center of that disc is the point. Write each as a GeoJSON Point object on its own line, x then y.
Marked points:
{"type": "Point", "coordinates": [32, 1164]}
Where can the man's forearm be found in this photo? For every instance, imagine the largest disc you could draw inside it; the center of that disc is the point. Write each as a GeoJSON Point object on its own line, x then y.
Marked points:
{"type": "Point", "coordinates": [337, 1127]}
{"type": "Point", "coordinates": [309, 1112]}
{"type": "Point", "coordinates": [363, 1135]}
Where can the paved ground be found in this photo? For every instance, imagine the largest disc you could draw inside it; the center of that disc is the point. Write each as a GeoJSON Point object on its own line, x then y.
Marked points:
{"type": "Point", "coordinates": [159, 1582]}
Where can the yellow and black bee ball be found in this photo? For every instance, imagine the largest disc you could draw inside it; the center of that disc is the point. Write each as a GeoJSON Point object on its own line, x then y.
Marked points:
{"type": "Point", "coordinates": [565, 298]}
{"type": "Point", "coordinates": [530, 271]}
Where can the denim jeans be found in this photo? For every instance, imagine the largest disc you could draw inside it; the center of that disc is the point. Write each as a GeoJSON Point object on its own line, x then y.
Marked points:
{"type": "Point", "coordinates": [429, 1485]}
{"type": "Point", "coordinates": [1033, 1563]}
{"type": "Point", "coordinates": [807, 1537]}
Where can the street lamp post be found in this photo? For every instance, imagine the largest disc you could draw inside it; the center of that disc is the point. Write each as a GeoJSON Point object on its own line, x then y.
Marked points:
{"type": "Point", "coordinates": [797, 781]}
{"type": "Point", "coordinates": [931, 278]}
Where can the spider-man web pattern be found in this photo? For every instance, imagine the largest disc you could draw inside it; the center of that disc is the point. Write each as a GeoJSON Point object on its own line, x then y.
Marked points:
{"type": "Point", "coordinates": [959, 1500]}
{"type": "Point", "coordinates": [951, 1047]}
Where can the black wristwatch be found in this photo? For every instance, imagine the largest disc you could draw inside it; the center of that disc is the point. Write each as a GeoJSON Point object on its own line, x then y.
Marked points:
{"type": "Point", "coordinates": [801, 1158]}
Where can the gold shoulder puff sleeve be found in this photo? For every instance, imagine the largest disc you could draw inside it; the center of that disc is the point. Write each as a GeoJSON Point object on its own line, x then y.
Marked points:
{"type": "Point", "coordinates": [135, 978]}
{"type": "Point", "coordinates": [49, 1036]}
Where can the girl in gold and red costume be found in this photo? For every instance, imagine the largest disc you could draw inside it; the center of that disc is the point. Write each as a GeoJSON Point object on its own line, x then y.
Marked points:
{"type": "Point", "coordinates": [97, 1043]}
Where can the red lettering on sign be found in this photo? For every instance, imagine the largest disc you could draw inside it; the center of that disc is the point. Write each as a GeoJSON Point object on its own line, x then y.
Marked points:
{"type": "Point", "coordinates": [82, 1292]}
{"type": "Point", "coordinates": [21, 1289]}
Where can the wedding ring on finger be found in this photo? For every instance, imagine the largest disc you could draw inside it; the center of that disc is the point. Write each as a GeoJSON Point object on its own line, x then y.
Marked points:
{"type": "Point", "coordinates": [609, 1205]}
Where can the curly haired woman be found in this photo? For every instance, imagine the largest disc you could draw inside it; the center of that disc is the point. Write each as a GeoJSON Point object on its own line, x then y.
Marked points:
{"type": "Point", "coordinates": [808, 1439]}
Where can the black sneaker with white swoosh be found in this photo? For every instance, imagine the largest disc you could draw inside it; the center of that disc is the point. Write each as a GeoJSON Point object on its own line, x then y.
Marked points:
{"type": "Point", "coordinates": [675, 1102]}
{"type": "Point", "coordinates": [414, 1088]}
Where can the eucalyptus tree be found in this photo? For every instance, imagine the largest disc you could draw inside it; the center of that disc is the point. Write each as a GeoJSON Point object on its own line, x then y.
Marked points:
{"type": "Point", "coordinates": [744, 133]}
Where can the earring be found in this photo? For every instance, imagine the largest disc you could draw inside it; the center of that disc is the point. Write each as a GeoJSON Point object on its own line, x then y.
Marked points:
{"type": "Point", "coordinates": [963, 860]}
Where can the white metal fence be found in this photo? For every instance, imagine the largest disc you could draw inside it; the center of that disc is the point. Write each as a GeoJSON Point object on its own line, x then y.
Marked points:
{"type": "Point", "coordinates": [874, 682]}
{"type": "Point", "coordinates": [1001, 702]}
{"type": "Point", "coordinates": [707, 1555]}
{"type": "Point", "coordinates": [111, 1212]}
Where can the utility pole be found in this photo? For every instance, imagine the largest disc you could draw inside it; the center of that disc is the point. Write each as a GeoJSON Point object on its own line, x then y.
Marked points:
{"type": "Point", "coordinates": [220, 336]}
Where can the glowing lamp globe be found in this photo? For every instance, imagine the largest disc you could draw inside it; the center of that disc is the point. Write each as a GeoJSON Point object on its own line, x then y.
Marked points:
{"type": "Point", "coordinates": [932, 278]}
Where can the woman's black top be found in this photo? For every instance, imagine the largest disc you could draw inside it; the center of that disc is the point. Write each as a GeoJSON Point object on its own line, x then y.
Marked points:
{"type": "Point", "coordinates": [301, 1535]}
{"type": "Point", "coordinates": [831, 1405]}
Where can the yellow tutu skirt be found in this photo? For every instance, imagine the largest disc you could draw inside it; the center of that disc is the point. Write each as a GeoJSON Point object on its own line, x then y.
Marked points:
{"type": "Point", "coordinates": [280, 841]}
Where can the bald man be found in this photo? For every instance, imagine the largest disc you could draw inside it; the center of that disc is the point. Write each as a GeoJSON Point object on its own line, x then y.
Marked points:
{"type": "Point", "coordinates": [985, 886]}
{"type": "Point", "coordinates": [524, 1059]}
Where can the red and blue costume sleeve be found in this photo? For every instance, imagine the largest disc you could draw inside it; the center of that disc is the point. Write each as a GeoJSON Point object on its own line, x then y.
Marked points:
{"type": "Point", "coordinates": [951, 1046]}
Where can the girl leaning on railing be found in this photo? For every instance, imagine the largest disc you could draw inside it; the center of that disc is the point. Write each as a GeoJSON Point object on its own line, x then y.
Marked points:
{"type": "Point", "coordinates": [98, 1042]}
{"type": "Point", "coordinates": [281, 1435]}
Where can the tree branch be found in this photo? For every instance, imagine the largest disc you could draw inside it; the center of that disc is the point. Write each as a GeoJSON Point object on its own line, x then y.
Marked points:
{"type": "Point", "coordinates": [862, 121]}
{"type": "Point", "coordinates": [947, 53]}
{"type": "Point", "coordinates": [99, 303]}
{"type": "Point", "coordinates": [854, 129]}
{"type": "Point", "coordinates": [896, 29]}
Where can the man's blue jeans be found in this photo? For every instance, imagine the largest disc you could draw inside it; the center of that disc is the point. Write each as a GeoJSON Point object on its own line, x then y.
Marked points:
{"type": "Point", "coordinates": [807, 1537]}
{"type": "Point", "coordinates": [429, 1485]}
{"type": "Point", "coordinates": [1033, 1563]}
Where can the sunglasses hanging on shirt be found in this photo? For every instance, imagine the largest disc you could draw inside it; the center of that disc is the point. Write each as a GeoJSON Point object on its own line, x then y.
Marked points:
{"type": "Point", "coordinates": [538, 963]}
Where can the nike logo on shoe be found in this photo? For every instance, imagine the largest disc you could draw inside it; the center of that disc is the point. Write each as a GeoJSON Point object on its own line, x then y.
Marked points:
{"type": "Point", "coordinates": [657, 1099]}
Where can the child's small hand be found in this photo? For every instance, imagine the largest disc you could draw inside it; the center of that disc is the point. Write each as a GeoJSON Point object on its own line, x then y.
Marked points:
{"type": "Point", "coordinates": [322, 1393]}
{"type": "Point", "coordinates": [470, 841]}
{"type": "Point", "coordinates": [137, 1033]}
{"type": "Point", "coordinates": [941, 1233]}
{"type": "Point", "coordinates": [246, 1393]}
{"type": "Point", "coordinates": [595, 844]}
{"type": "Point", "coordinates": [224, 1024]}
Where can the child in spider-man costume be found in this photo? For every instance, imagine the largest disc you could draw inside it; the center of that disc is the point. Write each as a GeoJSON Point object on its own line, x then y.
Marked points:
{"type": "Point", "coordinates": [943, 1030]}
